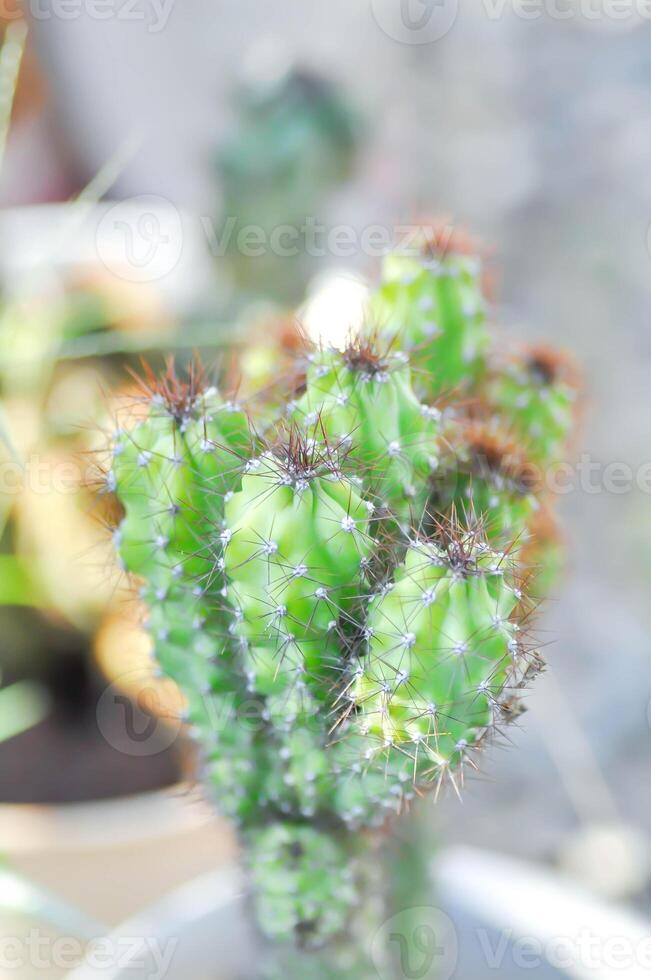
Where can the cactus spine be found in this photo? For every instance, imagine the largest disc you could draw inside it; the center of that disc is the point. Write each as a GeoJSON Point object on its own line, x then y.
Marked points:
{"type": "Point", "coordinates": [342, 600]}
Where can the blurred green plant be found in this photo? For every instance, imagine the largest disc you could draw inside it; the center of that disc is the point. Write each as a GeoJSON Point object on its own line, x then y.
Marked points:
{"type": "Point", "coordinates": [294, 143]}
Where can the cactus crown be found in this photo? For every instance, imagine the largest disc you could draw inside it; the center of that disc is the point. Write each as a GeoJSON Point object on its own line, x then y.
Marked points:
{"type": "Point", "coordinates": [178, 395]}
{"type": "Point", "coordinates": [353, 577]}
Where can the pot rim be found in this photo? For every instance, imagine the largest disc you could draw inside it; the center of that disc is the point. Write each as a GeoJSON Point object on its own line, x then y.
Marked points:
{"type": "Point", "coordinates": [105, 823]}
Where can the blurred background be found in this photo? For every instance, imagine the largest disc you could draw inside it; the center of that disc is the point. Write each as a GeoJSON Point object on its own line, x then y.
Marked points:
{"type": "Point", "coordinates": [137, 132]}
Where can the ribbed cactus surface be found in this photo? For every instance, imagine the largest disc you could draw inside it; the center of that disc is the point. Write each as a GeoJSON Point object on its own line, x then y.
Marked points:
{"type": "Point", "coordinates": [433, 303]}
{"type": "Point", "coordinates": [342, 596]}
{"type": "Point", "coordinates": [537, 393]}
{"type": "Point", "coordinates": [361, 401]}
{"type": "Point", "coordinates": [441, 646]}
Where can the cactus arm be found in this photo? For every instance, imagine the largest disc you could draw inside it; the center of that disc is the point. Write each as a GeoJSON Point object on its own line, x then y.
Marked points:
{"type": "Point", "coordinates": [434, 306]}
{"type": "Point", "coordinates": [363, 402]}
{"type": "Point", "coordinates": [441, 650]}
{"type": "Point", "coordinates": [537, 395]}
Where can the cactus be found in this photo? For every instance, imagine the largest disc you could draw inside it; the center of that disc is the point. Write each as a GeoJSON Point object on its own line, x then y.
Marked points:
{"type": "Point", "coordinates": [294, 143]}
{"type": "Point", "coordinates": [341, 597]}
{"type": "Point", "coordinates": [485, 471]}
{"type": "Point", "coordinates": [363, 401]}
{"type": "Point", "coordinates": [442, 646]}
{"type": "Point", "coordinates": [433, 302]}
{"type": "Point", "coordinates": [537, 393]}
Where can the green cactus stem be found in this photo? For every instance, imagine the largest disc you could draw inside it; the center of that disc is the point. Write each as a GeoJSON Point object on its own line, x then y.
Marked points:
{"type": "Point", "coordinates": [537, 394]}
{"type": "Point", "coordinates": [484, 474]}
{"type": "Point", "coordinates": [362, 401]}
{"type": "Point", "coordinates": [172, 472]}
{"type": "Point", "coordinates": [442, 648]}
{"type": "Point", "coordinates": [431, 300]}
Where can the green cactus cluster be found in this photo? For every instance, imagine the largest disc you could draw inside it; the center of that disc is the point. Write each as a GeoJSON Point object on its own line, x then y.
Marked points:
{"type": "Point", "coordinates": [341, 595]}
